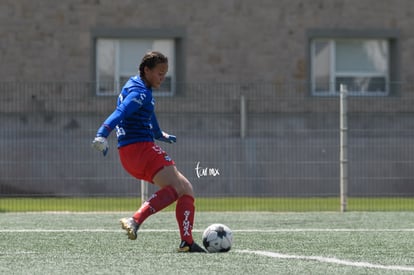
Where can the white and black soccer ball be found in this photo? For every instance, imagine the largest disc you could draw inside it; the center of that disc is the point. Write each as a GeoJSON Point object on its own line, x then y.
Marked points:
{"type": "Point", "coordinates": [217, 238]}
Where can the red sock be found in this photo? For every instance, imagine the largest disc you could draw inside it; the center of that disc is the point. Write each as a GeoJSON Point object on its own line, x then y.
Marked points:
{"type": "Point", "coordinates": [158, 201]}
{"type": "Point", "coordinates": [184, 213]}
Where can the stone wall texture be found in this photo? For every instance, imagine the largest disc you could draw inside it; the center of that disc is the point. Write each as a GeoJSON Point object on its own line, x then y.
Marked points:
{"type": "Point", "coordinates": [226, 41]}
{"type": "Point", "coordinates": [49, 112]}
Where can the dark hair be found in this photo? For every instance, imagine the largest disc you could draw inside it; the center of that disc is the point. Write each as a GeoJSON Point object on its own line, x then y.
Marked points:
{"type": "Point", "coordinates": [150, 60]}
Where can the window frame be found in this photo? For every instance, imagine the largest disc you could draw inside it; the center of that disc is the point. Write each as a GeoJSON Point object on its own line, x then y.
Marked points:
{"type": "Point", "coordinates": [392, 76]}
{"type": "Point", "coordinates": [177, 35]}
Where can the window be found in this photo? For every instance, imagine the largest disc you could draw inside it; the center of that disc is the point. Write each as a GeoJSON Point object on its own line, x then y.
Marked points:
{"type": "Point", "coordinates": [361, 64]}
{"type": "Point", "coordinates": [118, 59]}
{"type": "Point", "coordinates": [365, 60]}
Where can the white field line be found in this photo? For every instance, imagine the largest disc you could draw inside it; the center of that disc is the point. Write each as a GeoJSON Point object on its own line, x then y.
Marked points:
{"type": "Point", "coordinates": [328, 260]}
{"type": "Point", "coordinates": [281, 230]}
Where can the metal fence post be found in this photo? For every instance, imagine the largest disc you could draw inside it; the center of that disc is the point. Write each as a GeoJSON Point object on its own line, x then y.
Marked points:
{"type": "Point", "coordinates": [242, 117]}
{"type": "Point", "coordinates": [343, 147]}
{"type": "Point", "coordinates": [144, 191]}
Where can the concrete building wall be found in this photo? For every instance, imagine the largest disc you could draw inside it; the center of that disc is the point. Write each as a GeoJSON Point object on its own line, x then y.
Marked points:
{"type": "Point", "coordinates": [225, 41]}
{"type": "Point", "coordinates": [49, 111]}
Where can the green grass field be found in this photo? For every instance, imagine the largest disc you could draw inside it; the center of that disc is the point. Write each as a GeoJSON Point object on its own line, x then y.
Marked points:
{"type": "Point", "coordinates": [264, 243]}
{"type": "Point", "coordinates": [74, 204]}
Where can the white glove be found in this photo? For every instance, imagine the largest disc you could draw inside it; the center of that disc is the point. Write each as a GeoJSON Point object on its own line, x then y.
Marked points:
{"type": "Point", "coordinates": [101, 144]}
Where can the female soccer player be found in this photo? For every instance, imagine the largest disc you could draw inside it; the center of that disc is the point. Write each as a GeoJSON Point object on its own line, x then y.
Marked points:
{"type": "Point", "coordinates": [136, 128]}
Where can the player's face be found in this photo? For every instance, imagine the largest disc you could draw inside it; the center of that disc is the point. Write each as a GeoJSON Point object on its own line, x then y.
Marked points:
{"type": "Point", "coordinates": [155, 76]}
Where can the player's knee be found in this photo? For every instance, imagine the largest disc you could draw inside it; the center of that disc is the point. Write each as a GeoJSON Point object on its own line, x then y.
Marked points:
{"type": "Point", "coordinates": [185, 188]}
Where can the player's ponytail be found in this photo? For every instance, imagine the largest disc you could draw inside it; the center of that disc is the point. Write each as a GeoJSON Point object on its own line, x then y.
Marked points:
{"type": "Point", "coordinates": [150, 60]}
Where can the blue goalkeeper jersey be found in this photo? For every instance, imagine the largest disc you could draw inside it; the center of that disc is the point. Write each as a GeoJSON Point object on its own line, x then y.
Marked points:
{"type": "Point", "coordinates": [134, 118]}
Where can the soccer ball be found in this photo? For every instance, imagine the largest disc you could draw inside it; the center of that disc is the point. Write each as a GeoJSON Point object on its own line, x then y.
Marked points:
{"type": "Point", "coordinates": [217, 238]}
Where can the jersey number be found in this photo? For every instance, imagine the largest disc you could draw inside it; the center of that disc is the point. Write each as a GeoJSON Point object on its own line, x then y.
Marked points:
{"type": "Point", "coordinates": [120, 131]}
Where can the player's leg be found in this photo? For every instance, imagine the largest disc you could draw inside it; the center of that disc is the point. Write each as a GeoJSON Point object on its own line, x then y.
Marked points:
{"type": "Point", "coordinates": [185, 208]}
{"type": "Point", "coordinates": [143, 161]}
{"type": "Point", "coordinates": [170, 177]}
{"type": "Point", "coordinates": [158, 201]}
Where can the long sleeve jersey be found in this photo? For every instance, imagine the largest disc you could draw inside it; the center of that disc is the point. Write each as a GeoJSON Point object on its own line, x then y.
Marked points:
{"type": "Point", "coordinates": [134, 117]}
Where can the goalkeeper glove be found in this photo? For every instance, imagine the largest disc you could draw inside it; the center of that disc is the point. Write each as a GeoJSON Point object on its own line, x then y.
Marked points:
{"type": "Point", "coordinates": [167, 138]}
{"type": "Point", "coordinates": [101, 144]}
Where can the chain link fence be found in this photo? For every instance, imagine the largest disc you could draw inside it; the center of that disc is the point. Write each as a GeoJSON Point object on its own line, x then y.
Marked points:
{"type": "Point", "coordinates": [234, 140]}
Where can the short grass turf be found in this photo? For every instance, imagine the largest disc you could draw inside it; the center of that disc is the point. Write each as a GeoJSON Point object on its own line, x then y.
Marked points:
{"type": "Point", "coordinates": [264, 243]}
{"type": "Point", "coordinates": [82, 204]}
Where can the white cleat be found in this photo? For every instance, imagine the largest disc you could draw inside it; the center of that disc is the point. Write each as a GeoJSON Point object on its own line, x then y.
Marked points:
{"type": "Point", "coordinates": [130, 226]}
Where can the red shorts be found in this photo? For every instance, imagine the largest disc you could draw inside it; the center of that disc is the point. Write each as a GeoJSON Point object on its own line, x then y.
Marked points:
{"type": "Point", "coordinates": [144, 159]}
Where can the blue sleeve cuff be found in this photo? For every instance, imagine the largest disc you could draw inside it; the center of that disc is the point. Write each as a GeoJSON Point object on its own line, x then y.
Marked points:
{"type": "Point", "coordinates": [104, 131]}
{"type": "Point", "coordinates": [157, 134]}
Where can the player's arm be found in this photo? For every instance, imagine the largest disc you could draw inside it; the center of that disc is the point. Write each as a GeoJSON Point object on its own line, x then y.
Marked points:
{"type": "Point", "coordinates": [100, 141]}
{"type": "Point", "coordinates": [159, 134]}
{"type": "Point", "coordinates": [127, 105]}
